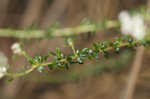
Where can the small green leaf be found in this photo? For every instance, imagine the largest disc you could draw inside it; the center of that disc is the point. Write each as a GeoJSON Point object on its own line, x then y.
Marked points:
{"type": "Point", "coordinates": [79, 60]}
{"type": "Point", "coordinates": [105, 54]}
{"type": "Point", "coordinates": [40, 69]}
{"type": "Point", "coordinates": [51, 66]}
{"type": "Point", "coordinates": [9, 80]}
{"type": "Point", "coordinates": [117, 49]}
{"type": "Point", "coordinates": [86, 21]}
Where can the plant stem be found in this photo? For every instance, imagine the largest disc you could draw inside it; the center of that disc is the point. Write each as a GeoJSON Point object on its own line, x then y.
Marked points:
{"type": "Point", "coordinates": [27, 71]}
{"type": "Point", "coordinates": [33, 67]}
{"type": "Point", "coordinates": [56, 32]}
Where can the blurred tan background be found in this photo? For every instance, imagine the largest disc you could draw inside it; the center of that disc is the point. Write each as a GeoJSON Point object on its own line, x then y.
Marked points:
{"type": "Point", "coordinates": [20, 14]}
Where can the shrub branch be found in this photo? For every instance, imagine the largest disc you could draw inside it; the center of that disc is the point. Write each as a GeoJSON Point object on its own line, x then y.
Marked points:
{"type": "Point", "coordinates": [63, 61]}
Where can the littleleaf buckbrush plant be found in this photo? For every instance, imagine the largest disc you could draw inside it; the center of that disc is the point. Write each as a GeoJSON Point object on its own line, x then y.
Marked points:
{"type": "Point", "coordinates": [132, 27]}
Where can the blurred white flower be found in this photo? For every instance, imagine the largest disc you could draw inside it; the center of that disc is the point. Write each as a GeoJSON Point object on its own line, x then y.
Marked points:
{"type": "Point", "coordinates": [132, 25]}
{"type": "Point", "coordinates": [16, 48]}
{"type": "Point", "coordinates": [138, 27]}
{"type": "Point", "coordinates": [126, 22]}
{"type": "Point", "coordinates": [70, 42]}
{"type": "Point", "coordinates": [3, 64]}
{"type": "Point", "coordinates": [2, 71]}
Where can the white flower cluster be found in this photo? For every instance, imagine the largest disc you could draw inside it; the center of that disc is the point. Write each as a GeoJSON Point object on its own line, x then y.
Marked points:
{"type": "Point", "coordinates": [16, 48]}
{"type": "Point", "coordinates": [3, 64]}
{"type": "Point", "coordinates": [132, 25]}
{"type": "Point", "coordinates": [70, 42]}
{"type": "Point", "coordinates": [2, 71]}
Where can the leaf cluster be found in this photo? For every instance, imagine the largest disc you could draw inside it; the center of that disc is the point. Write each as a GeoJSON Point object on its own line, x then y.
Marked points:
{"type": "Point", "coordinates": [64, 61]}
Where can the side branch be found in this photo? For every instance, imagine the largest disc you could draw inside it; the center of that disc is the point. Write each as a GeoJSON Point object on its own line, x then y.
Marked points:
{"type": "Point", "coordinates": [56, 32]}
{"type": "Point", "coordinates": [62, 61]}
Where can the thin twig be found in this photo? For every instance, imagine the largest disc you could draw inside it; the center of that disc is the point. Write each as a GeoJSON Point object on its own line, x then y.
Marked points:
{"type": "Point", "coordinates": [133, 77]}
